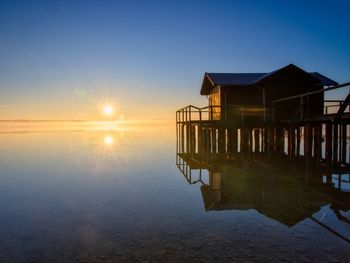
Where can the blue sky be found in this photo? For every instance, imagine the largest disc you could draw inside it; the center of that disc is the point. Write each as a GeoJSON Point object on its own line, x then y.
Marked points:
{"type": "Point", "coordinates": [150, 56]}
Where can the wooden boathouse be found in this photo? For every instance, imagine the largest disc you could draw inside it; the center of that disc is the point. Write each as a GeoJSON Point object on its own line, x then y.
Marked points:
{"type": "Point", "coordinates": [282, 113]}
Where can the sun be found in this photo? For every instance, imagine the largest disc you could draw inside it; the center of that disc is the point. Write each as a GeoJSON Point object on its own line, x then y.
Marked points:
{"type": "Point", "coordinates": [107, 110]}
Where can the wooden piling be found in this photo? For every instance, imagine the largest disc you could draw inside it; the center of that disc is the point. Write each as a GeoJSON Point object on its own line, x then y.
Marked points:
{"type": "Point", "coordinates": [221, 140]}
{"type": "Point", "coordinates": [271, 135]}
{"type": "Point", "coordinates": [182, 138]}
{"type": "Point", "coordinates": [199, 139]}
{"type": "Point", "coordinates": [234, 140]}
{"type": "Point", "coordinates": [250, 140]}
{"type": "Point", "coordinates": [335, 142]}
{"type": "Point", "coordinates": [298, 139]}
{"type": "Point", "coordinates": [265, 147]}
{"type": "Point", "coordinates": [256, 140]}
{"type": "Point", "coordinates": [329, 135]}
{"type": "Point", "coordinates": [245, 140]}
{"type": "Point", "coordinates": [343, 143]}
{"type": "Point", "coordinates": [317, 142]}
{"type": "Point", "coordinates": [192, 138]}
{"type": "Point", "coordinates": [279, 140]}
{"type": "Point", "coordinates": [291, 143]}
{"type": "Point", "coordinates": [308, 141]}
{"type": "Point", "coordinates": [212, 140]}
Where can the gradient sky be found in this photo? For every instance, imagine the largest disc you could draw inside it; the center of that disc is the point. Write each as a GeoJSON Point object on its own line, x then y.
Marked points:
{"type": "Point", "coordinates": [62, 59]}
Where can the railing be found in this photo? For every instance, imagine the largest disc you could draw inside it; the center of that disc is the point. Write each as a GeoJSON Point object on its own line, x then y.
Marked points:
{"type": "Point", "coordinates": [220, 113]}
{"type": "Point", "coordinates": [259, 113]}
{"type": "Point", "coordinates": [333, 107]}
{"type": "Point", "coordinates": [340, 105]}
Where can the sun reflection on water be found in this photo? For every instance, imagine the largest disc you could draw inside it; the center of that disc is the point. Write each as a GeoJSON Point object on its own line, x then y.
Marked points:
{"type": "Point", "coordinates": [108, 140]}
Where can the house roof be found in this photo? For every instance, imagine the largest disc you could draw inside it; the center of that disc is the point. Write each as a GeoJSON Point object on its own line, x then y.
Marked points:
{"type": "Point", "coordinates": [212, 80]}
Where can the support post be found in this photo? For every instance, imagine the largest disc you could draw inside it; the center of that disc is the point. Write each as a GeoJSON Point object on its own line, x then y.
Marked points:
{"type": "Point", "coordinates": [256, 140]}
{"type": "Point", "coordinates": [328, 154]}
{"type": "Point", "coordinates": [317, 142]}
{"type": "Point", "coordinates": [298, 141]}
{"type": "Point", "coordinates": [308, 141]}
{"type": "Point", "coordinates": [335, 142]}
{"type": "Point", "coordinates": [343, 143]}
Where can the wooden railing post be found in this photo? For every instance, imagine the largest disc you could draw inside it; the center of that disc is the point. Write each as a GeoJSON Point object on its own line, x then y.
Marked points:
{"type": "Point", "coordinates": [342, 107]}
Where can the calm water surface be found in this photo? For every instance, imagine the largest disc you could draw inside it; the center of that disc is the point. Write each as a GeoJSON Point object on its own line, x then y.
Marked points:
{"type": "Point", "coordinates": [118, 196]}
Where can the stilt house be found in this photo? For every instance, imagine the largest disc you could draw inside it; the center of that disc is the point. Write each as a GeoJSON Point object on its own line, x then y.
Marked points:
{"type": "Point", "coordinates": [252, 95]}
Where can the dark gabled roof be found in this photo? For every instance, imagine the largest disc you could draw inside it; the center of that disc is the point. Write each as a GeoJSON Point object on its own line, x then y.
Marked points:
{"type": "Point", "coordinates": [235, 79]}
{"type": "Point", "coordinates": [325, 81]}
{"type": "Point", "coordinates": [212, 80]}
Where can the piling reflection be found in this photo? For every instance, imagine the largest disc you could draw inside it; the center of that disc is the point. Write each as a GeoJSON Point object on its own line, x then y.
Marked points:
{"type": "Point", "coordinates": [285, 191]}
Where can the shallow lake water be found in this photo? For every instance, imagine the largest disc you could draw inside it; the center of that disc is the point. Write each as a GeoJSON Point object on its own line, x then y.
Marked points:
{"type": "Point", "coordinates": [118, 196]}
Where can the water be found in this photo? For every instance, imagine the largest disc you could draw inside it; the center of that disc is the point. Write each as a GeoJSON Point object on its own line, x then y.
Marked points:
{"type": "Point", "coordinates": [116, 195]}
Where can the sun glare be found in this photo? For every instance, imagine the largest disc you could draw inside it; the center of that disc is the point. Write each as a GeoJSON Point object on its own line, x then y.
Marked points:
{"type": "Point", "coordinates": [107, 110]}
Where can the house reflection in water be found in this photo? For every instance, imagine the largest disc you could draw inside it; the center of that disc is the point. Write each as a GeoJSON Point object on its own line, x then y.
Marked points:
{"type": "Point", "coordinates": [283, 191]}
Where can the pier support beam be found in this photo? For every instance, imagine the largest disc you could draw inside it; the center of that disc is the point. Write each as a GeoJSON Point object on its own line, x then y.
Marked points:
{"type": "Point", "coordinates": [279, 141]}
{"type": "Point", "coordinates": [343, 143]}
{"type": "Point", "coordinates": [271, 134]}
{"type": "Point", "coordinates": [213, 140]}
{"type": "Point", "coordinates": [298, 141]}
{"type": "Point", "coordinates": [291, 143]}
{"type": "Point", "coordinates": [245, 140]}
{"type": "Point", "coordinates": [221, 140]}
{"type": "Point", "coordinates": [317, 143]}
{"type": "Point", "coordinates": [335, 143]}
{"type": "Point", "coordinates": [256, 140]}
{"type": "Point", "coordinates": [329, 135]}
{"type": "Point", "coordinates": [308, 141]}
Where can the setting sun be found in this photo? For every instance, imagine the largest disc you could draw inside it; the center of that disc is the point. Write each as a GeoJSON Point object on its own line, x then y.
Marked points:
{"type": "Point", "coordinates": [107, 110]}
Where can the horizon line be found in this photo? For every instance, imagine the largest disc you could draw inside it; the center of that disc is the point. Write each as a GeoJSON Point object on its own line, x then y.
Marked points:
{"type": "Point", "coordinates": [80, 120]}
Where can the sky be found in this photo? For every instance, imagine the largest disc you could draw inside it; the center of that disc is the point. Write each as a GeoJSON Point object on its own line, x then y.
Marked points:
{"type": "Point", "coordinates": [65, 59]}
